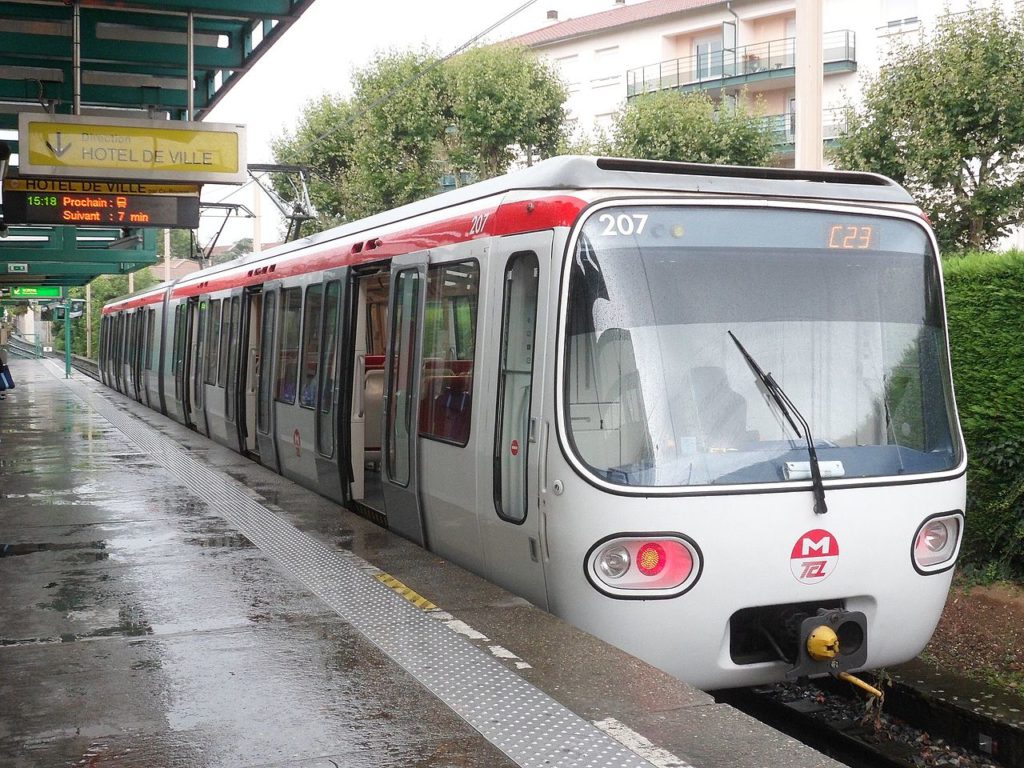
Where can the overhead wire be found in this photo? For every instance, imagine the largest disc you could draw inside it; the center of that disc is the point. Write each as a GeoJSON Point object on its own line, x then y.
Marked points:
{"type": "Point", "coordinates": [310, 144]}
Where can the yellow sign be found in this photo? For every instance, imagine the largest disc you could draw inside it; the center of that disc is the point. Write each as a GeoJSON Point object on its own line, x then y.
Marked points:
{"type": "Point", "coordinates": [30, 184]}
{"type": "Point", "coordinates": [64, 145]}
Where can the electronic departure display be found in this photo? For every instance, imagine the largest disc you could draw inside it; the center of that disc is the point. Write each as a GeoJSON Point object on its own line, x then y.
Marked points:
{"type": "Point", "coordinates": [101, 210]}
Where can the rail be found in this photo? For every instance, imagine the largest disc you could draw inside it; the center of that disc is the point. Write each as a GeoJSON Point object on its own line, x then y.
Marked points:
{"type": "Point", "coordinates": [33, 349]}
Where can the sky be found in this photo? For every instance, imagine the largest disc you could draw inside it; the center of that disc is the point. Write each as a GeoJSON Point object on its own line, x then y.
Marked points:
{"type": "Point", "coordinates": [318, 55]}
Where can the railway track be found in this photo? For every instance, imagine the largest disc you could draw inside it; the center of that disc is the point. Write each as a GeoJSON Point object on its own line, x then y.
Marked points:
{"type": "Point", "coordinates": [84, 365]}
{"type": "Point", "coordinates": [905, 732]}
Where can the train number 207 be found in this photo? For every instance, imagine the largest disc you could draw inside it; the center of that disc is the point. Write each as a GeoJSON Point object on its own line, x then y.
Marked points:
{"type": "Point", "coordinates": [623, 224]}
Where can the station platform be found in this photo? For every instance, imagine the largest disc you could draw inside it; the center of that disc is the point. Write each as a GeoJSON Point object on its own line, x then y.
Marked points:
{"type": "Point", "coordinates": [166, 602]}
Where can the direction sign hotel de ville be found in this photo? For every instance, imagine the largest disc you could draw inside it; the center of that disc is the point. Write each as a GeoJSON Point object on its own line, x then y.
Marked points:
{"type": "Point", "coordinates": [142, 150]}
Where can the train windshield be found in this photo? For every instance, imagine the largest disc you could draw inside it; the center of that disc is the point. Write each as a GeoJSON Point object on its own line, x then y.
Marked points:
{"type": "Point", "coordinates": [844, 310]}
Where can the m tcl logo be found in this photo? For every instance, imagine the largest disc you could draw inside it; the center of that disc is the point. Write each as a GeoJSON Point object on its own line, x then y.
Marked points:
{"type": "Point", "coordinates": [814, 556]}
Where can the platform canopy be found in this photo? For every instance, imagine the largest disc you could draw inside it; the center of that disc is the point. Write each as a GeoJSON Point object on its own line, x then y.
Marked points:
{"type": "Point", "coordinates": [133, 62]}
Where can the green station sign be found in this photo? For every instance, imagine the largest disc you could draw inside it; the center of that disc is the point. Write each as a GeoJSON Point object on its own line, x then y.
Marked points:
{"type": "Point", "coordinates": [36, 292]}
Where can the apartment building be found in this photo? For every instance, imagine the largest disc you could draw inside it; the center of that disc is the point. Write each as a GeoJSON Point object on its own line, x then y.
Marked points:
{"type": "Point", "coordinates": [729, 49]}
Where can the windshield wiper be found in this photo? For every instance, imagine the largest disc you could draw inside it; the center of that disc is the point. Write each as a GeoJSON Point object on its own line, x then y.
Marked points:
{"type": "Point", "coordinates": [785, 405]}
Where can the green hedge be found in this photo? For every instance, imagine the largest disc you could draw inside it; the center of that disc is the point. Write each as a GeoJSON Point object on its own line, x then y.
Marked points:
{"type": "Point", "coordinates": [985, 304]}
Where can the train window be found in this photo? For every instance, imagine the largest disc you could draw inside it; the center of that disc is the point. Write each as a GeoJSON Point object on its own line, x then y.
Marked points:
{"type": "Point", "coordinates": [150, 332]}
{"type": "Point", "coordinates": [328, 357]}
{"type": "Point", "coordinates": [265, 370]}
{"type": "Point", "coordinates": [213, 334]}
{"type": "Point", "coordinates": [196, 355]}
{"type": "Point", "coordinates": [179, 349]}
{"type": "Point", "coordinates": [288, 345]}
{"type": "Point", "coordinates": [515, 385]}
{"type": "Point", "coordinates": [126, 320]}
{"type": "Point", "coordinates": [449, 351]}
{"type": "Point", "coordinates": [224, 340]}
{"type": "Point", "coordinates": [844, 310]}
{"type": "Point", "coordinates": [309, 373]}
{"type": "Point", "coordinates": [230, 330]}
{"type": "Point", "coordinates": [129, 338]}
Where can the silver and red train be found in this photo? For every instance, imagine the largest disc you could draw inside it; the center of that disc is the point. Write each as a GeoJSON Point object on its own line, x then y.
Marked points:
{"type": "Point", "coordinates": [702, 412]}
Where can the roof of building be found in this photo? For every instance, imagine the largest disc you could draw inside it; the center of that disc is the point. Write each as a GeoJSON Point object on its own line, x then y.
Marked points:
{"type": "Point", "coordinates": [616, 17]}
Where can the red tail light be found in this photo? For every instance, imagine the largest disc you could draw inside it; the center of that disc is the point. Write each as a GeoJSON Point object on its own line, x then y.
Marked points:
{"type": "Point", "coordinates": [662, 566]}
{"type": "Point", "coordinates": [650, 560]}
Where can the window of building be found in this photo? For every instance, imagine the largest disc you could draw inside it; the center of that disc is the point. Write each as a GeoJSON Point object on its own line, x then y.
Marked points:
{"type": "Point", "coordinates": [898, 12]}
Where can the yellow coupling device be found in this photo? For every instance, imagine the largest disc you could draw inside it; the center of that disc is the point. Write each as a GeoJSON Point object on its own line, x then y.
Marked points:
{"type": "Point", "coordinates": [823, 645]}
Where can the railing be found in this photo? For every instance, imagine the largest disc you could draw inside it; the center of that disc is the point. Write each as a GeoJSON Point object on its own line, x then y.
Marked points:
{"type": "Point", "coordinates": [748, 62]}
{"type": "Point", "coordinates": [783, 127]}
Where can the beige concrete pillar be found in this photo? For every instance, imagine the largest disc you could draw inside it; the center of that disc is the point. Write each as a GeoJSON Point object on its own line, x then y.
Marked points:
{"type": "Point", "coordinates": [809, 70]}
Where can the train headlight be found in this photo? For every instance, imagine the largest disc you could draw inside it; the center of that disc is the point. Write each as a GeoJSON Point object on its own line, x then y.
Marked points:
{"type": "Point", "coordinates": [937, 541]}
{"type": "Point", "coordinates": [644, 567]}
{"type": "Point", "coordinates": [613, 561]}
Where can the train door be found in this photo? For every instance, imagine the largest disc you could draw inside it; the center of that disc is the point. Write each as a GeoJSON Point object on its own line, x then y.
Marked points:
{"type": "Point", "coordinates": [333, 462]}
{"type": "Point", "coordinates": [511, 527]}
{"type": "Point", "coordinates": [179, 321]}
{"type": "Point", "coordinates": [213, 368]}
{"type": "Point", "coordinates": [364, 326]}
{"type": "Point", "coordinates": [400, 476]}
{"type": "Point", "coordinates": [117, 360]}
{"type": "Point", "coordinates": [185, 317]}
{"type": "Point", "coordinates": [146, 355]}
{"type": "Point", "coordinates": [138, 355]}
{"type": "Point", "coordinates": [123, 368]}
{"type": "Point", "coordinates": [134, 322]}
{"type": "Point", "coordinates": [198, 310]}
{"type": "Point", "coordinates": [232, 333]}
{"type": "Point", "coordinates": [266, 377]}
{"type": "Point", "coordinates": [249, 334]}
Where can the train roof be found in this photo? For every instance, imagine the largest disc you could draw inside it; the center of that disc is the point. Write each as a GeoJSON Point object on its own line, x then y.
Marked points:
{"type": "Point", "coordinates": [576, 172]}
{"type": "Point", "coordinates": [565, 175]}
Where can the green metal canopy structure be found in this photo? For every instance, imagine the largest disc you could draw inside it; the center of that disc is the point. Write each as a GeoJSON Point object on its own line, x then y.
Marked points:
{"type": "Point", "coordinates": [116, 59]}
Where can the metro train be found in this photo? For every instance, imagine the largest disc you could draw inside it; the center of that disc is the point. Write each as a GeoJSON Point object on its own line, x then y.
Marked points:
{"type": "Point", "coordinates": [704, 413]}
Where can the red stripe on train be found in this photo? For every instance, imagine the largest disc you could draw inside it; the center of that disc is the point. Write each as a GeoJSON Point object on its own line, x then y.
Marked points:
{"type": "Point", "coordinates": [509, 218]}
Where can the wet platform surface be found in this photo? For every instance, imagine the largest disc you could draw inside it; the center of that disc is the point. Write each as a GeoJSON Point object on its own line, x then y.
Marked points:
{"type": "Point", "coordinates": [183, 606]}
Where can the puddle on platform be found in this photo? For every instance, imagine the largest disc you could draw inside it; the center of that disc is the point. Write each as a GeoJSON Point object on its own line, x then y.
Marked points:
{"type": "Point", "coordinates": [226, 541]}
{"type": "Point", "coordinates": [14, 550]}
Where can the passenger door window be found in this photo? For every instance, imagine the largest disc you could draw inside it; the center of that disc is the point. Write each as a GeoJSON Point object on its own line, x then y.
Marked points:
{"type": "Point", "coordinates": [288, 346]}
{"type": "Point", "coordinates": [401, 381]}
{"type": "Point", "coordinates": [328, 357]}
{"type": "Point", "coordinates": [515, 385]}
{"type": "Point", "coordinates": [309, 379]}
{"type": "Point", "coordinates": [266, 362]}
{"type": "Point", "coordinates": [231, 331]}
{"type": "Point", "coordinates": [213, 335]}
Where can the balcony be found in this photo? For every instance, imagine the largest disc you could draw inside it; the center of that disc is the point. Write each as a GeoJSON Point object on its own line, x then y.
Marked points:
{"type": "Point", "coordinates": [783, 128]}
{"type": "Point", "coordinates": [775, 59]}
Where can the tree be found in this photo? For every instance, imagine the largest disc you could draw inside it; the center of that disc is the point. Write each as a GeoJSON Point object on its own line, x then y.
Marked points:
{"type": "Point", "coordinates": [414, 118]}
{"type": "Point", "coordinates": [945, 118]}
{"type": "Point", "coordinates": [670, 125]}
{"type": "Point", "coordinates": [322, 142]}
{"type": "Point", "coordinates": [181, 244]}
{"type": "Point", "coordinates": [104, 289]}
{"type": "Point", "coordinates": [403, 112]}
{"type": "Point", "coordinates": [504, 101]}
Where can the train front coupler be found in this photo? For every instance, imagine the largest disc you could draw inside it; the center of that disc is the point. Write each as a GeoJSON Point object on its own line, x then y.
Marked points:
{"type": "Point", "coordinates": [833, 642]}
